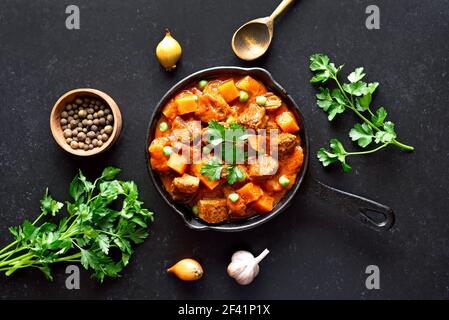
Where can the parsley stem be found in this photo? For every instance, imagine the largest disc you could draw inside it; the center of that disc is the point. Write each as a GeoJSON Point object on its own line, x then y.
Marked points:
{"type": "Point", "coordinates": [367, 151]}
{"type": "Point", "coordinates": [372, 125]}
{"type": "Point", "coordinates": [15, 241]}
{"type": "Point", "coordinates": [73, 258]}
{"type": "Point", "coordinates": [402, 145]}
{"type": "Point", "coordinates": [38, 218]}
{"type": "Point", "coordinates": [6, 255]}
{"type": "Point", "coordinates": [24, 256]}
{"type": "Point", "coordinates": [7, 247]}
{"type": "Point", "coordinates": [20, 264]}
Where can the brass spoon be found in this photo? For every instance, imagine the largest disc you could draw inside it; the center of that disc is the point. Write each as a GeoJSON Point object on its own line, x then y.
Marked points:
{"type": "Point", "coordinates": [252, 40]}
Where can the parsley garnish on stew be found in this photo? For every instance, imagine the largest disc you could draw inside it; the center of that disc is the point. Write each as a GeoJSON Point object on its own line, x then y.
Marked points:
{"type": "Point", "coordinates": [356, 95]}
{"type": "Point", "coordinates": [231, 142]}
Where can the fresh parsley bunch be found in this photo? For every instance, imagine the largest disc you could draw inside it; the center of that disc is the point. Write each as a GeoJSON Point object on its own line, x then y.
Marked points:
{"type": "Point", "coordinates": [356, 95]}
{"type": "Point", "coordinates": [231, 143]}
{"type": "Point", "coordinates": [105, 218]}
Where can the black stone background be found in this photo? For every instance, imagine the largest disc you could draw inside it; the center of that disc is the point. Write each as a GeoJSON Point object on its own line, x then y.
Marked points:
{"type": "Point", "coordinates": [316, 251]}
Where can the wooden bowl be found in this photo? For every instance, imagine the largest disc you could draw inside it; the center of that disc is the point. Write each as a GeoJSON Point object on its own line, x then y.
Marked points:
{"type": "Point", "coordinates": [69, 97]}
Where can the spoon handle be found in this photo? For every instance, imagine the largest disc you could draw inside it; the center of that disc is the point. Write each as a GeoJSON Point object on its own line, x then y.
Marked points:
{"type": "Point", "coordinates": [281, 7]}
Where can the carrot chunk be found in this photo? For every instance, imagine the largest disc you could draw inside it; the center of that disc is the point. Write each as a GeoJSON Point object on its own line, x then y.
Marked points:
{"type": "Point", "coordinates": [250, 85]}
{"type": "Point", "coordinates": [170, 110]}
{"type": "Point", "coordinates": [187, 104]}
{"type": "Point", "coordinates": [229, 91]}
{"type": "Point", "coordinates": [250, 192]}
{"type": "Point", "coordinates": [157, 158]}
{"type": "Point", "coordinates": [195, 169]}
{"type": "Point", "coordinates": [264, 204]}
{"type": "Point", "coordinates": [287, 122]}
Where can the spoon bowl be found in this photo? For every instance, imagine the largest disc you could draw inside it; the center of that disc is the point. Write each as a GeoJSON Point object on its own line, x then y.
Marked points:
{"type": "Point", "coordinates": [252, 39]}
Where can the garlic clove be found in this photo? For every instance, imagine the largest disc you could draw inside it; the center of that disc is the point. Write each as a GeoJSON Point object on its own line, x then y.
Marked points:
{"type": "Point", "coordinates": [236, 268]}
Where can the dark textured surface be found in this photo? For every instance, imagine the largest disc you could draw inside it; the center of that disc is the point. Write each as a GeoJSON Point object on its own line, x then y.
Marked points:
{"type": "Point", "coordinates": [316, 251]}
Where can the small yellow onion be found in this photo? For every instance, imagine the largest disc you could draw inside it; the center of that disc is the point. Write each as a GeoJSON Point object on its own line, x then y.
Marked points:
{"type": "Point", "coordinates": [187, 270]}
{"type": "Point", "coordinates": [168, 51]}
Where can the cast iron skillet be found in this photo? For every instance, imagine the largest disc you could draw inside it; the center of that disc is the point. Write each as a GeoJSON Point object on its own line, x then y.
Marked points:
{"type": "Point", "coordinates": [370, 213]}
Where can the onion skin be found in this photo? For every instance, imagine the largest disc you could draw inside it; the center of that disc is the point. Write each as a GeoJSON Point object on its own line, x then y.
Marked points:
{"type": "Point", "coordinates": [168, 51]}
{"type": "Point", "coordinates": [187, 270]}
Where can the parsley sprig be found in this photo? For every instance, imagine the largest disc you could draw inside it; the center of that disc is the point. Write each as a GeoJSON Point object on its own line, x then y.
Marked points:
{"type": "Point", "coordinates": [231, 143]}
{"type": "Point", "coordinates": [356, 96]}
{"type": "Point", "coordinates": [98, 224]}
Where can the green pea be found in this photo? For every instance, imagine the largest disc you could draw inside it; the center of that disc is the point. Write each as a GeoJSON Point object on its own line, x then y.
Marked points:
{"type": "Point", "coordinates": [195, 210]}
{"type": "Point", "coordinates": [163, 126]}
{"type": "Point", "coordinates": [244, 96]}
{"type": "Point", "coordinates": [167, 150]}
{"type": "Point", "coordinates": [233, 197]}
{"type": "Point", "coordinates": [261, 100]}
{"type": "Point", "coordinates": [202, 84]}
{"type": "Point", "coordinates": [284, 181]}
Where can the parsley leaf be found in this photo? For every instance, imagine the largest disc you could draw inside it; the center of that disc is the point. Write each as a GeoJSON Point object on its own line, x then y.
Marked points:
{"type": "Point", "coordinates": [363, 102]}
{"type": "Point", "coordinates": [50, 206]}
{"type": "Point", "coordinates": [212, 169]}
{"type": "Point", "coordinates": [109, 173]}
{"type": "Point", "coordinates": [362, 133]}
{"type": "Point", "coordinates": [358, 88]}
{"type": "Point", "coordinates": [379, 117]}
{"type": "Point", "coordinates": [387, 135]}
{"type": "Point", "coordinates": [336, 154]}
{"type": "Point", "coordinates": [331, 104]}
{"type": "Point", "coordinates": [216, 132]}
{"type": "Point", "coordinates": [235, 175]}
{"type": "Point", "coordinates": [356, 75]}
{"type": "Point", "coordinates": [324, 69]}
{"type": "Point", "coordinates": [229, 144]}
{"type": "Point", "coordinates": [319, 62]}
{"type": "Point", "coordinates": [103, 243]}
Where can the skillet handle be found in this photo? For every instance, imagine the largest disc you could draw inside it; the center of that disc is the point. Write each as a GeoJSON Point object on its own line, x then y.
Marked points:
{"type": "Point", "coordinates": [359, 208]}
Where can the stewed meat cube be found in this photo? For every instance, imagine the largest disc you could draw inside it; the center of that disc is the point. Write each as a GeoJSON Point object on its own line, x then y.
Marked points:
{"type": "Point", "coordinates": [253, 117]}
{"type": "Point", "coordinates": [186, 184]}
{"type": "Point", "coordinates": [213, 210]}
{"type": "Point", "coordinates": [286, 143]}
{"type": "Point", "coordinates": [264, 166]}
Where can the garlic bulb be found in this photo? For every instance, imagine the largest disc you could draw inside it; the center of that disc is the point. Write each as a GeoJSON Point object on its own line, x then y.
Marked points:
{"type": "Point", "coordinates": [168, 51]}
{"type": "Point", "coordinates": [187, 270]}
{"type": "Point", "coordinates": [244, 267]}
